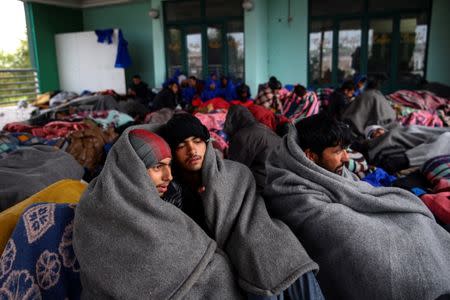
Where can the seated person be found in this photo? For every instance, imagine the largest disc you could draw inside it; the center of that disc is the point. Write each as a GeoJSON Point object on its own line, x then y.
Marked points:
{"type": "Point", "coordinates": [340, 99]}
{"type": "Point", "coordinates": [227, 89]}
{"type": "Point", "coordinates": [249, 141]}
{"type": "Point", "coordinates": [369, 108]}
{"type": "Point", "coordinates": [190, 90]}
{"type": "Point", "coordinates": [131, 238]}
{"type": "Point", "coordinates": [360, 85]}
{"type": "Point", "coordinates": [139, 89]}
{"type": "Point", "coordinates": [268, 95]}
{"type": "Point", "coordinates": [167, 97]}
{"type": "Point", "coordinates": [365, 239]}
{"type": "Point", "coordinates": [269, 262]}
{"type": "Point", "coordinates": [210, 91]}
{"type": "Point", "coordinates": [243, 93]}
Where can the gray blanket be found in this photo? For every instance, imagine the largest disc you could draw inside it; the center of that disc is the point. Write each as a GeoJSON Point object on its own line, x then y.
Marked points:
{"type": "Point", "coordinates": [370, 243]}
{"type": "Point", "coordinates": [370, 108]}
{"type": "Point", "coordinates": [28, 170]}
{"type": "Point", "coordinates": [400, 138]}
{"type": "Point", "coordinates": [133, 245]}
{"type": "Point", "coordinates": [266, 254]}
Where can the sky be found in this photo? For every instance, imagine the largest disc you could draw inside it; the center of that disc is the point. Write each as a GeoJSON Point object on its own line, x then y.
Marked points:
{"type": "Point", "coordinates": [12, 24]}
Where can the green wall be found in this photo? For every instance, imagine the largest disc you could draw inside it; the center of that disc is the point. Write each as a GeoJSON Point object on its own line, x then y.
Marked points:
{"type": "Point", "coordinates": [438, 67]}
{"type": "Point", "coordinates": [287, 41]}
{"type": "Point", "coordinates": [136, 26]}
{"type": "Point", "coordinates": [43, 22]}
{"type": "Point", "coordinates": [255, 40]}
{"type": "Point", "coordinates": [159, 58]}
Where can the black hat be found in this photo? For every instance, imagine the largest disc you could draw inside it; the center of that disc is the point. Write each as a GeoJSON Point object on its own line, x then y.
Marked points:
{"type": "Point", "coordinates": [183, 126]}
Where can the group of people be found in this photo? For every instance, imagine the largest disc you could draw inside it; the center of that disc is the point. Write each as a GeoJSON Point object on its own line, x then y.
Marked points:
{"type": "Point", "coordinates": [168, 217]}
{"type": "Point", "coordinates": [179, 91]}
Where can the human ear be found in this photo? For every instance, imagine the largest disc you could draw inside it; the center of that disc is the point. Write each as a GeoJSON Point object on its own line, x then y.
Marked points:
{"type": "Point", "coordinates": [311, 155]}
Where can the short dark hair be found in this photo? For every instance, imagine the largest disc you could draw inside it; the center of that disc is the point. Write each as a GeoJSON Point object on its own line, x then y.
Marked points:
{"type": "Point", "coordinates": [322, 131]}
{"type": "Point", "coordinates": [137, 76]}
{"type": "Point", "coordinates": [347, 85]}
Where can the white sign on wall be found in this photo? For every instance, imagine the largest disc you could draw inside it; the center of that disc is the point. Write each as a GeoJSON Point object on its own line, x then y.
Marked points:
{"type": "Point", "coordinates": [85, 64]}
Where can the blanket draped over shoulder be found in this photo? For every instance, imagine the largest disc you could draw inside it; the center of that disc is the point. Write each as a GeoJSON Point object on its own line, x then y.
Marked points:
{"type": "Point", "coordinates": [400, 138]}
{"type": "Point", "coordinates": [31, 169]}
{"type": "Point", "coordinates": [132, 244]}
{"type": "Point", "coordinates": [370, 108]}
{"type": "Point", "coordinates": [265, 253]}
{"type": "Point", "coordinates": [370, 243]}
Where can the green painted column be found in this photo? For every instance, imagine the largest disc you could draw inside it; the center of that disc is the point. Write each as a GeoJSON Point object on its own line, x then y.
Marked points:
{"type": "Point", "coordinates": [288, 40]}
{"type": "Point", "coordinates": [255, 45]}
{"type": "Point", "coordinates": [159, 59]}
{"type": "Point", "coordinates": [438, 60]}
{"type": "Point", "coordinates": [43, 22]}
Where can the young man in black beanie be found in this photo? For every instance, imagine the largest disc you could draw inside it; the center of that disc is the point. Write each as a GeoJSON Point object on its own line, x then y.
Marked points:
{"type": "Point", "coordinates": [268, 260]}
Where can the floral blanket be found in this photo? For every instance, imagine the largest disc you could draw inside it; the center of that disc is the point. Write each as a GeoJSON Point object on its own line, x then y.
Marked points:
{"type": "Point", "coordinates": [38, 261]}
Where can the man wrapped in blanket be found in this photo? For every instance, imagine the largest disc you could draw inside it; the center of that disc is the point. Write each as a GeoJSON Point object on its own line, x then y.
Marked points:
{"type": "Point", "coordinates": [268, 261]}
{"type": "Point", "coordinates": [370, 243]}
{"type": "Point", "coordinates": [134, 242]}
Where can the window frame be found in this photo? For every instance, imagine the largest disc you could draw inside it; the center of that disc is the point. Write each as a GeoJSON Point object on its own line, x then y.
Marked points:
{"type": "Point", "coordinates": [204, 22]}
{"type": "Point", "coordinates": [365, 17]}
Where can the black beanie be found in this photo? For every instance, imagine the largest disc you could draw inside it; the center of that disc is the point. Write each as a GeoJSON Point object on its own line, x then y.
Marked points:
{"type": "Point", "coordinates": [183, 126]}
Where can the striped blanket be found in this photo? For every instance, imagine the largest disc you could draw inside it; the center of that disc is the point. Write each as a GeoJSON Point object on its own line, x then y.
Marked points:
{"type": "Point", "coordinates": [295, 107]}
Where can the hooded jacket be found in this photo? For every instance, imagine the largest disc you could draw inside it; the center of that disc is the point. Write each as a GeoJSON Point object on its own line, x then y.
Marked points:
{"type": "Point", "coordinates": [250, 141]}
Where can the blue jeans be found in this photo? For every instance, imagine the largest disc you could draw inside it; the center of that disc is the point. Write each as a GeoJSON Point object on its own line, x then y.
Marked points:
{"type": "Point", "coordinates": [304, 288]}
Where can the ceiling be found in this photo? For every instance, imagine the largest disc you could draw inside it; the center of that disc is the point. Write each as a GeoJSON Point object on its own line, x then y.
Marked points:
{"type": "Point", "coordinates": [80, 3]}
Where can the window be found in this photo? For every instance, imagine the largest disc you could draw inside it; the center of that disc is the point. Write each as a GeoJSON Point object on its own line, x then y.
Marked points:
{"type": "Point", "coordinates": [204, 37]}
{"type": "Point", "coordinates": [413, 42]}
{"type": "Point", "coordinates": [349, 49]}
{"type": "Point", "coordinates": [320, 52]}
{"type": "Point", "coordinates": [382, 37]}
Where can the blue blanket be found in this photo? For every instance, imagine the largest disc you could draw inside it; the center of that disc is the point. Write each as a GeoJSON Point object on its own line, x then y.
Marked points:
{"type": "Point", "coordinates": [38, 261]}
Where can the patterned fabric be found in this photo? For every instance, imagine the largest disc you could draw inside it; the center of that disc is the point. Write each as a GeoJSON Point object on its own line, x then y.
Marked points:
{"type": "Point", "coordinates": [55, 129]}
{"type": "Point", "coordinates": [424, 100]}
{"type": "Point", "coordinates": [357, 164]}
{"type": "Point", "coordinates": [10, 141]}
{"type": "Point", "coordinates": [38, 261]}
{"type": "Point", "coordinates": [323, 94]}
{"type": "Point", "coordinates": [214, 121]}
{"type": "Point", "coordinates": [420, 108]}
{"type": "Point", "coordinates": [269, 98]}
{"type": "Point", "coordinates": [437, 171]}
{"type": "Point", "coordinates": [295, 107]}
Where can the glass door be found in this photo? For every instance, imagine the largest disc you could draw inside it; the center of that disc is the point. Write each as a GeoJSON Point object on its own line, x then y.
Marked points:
{"type": "Point", "coordinates": [349, 53]}
{"type": "Point", "coordinates": [380, 40]}
{"type": "Point", "coordinates": [321, 52]}
{"type": "Point", "coordinates": [194, 53]}
{"type": "Point", "coordinates": [215, 49]}
{"type": "Point", "coordinates": [411, 54]}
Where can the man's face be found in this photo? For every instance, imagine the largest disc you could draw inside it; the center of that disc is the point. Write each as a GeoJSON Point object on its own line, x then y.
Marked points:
{"type": "Point", "coordinates": [174, 88]}
{"type": "Point", "coordinates": [161, 175]}
{"type": "Point", "coordinates": [190, 154]}
{"type": "Point", "coordinates": [192, 82]}
{"type": "Point", "coordinates": [349, 93]}
{"type": "Point", "coordinates": [331, 159]}
{"type": "Point", "coordinates": [136, 81]}
{"type": "Point", "coordinates": [378, 132]}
